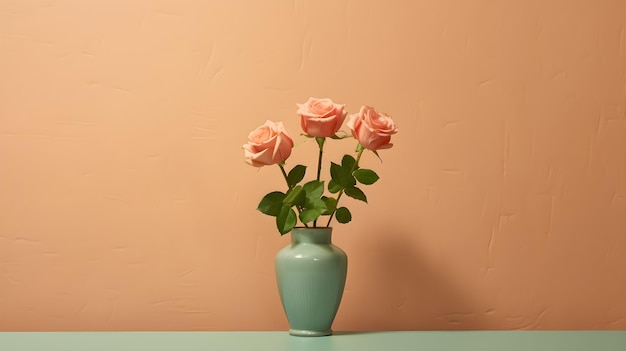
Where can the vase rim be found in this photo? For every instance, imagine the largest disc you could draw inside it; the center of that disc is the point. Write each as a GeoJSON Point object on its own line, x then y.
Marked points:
{"type": "Point", "coordinates": [312, 228]}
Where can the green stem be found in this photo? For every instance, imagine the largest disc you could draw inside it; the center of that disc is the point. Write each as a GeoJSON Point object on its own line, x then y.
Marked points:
{"type": "Point", "coordinates": [282, 169]}
{"type": "Point", "coordinates": [360, 150]}
{"type": "Point", "coordinates": [320, 142]}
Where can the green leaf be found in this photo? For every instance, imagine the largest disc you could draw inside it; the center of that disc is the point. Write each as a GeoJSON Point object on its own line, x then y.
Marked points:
{"type": "Point", "coordinates": [366, 176]}
{"type": "Point", "coordinates": [356, 193]}
{"type": "Point", "coordinates": [341, 176]}
{"type": "Point", "coordinates": [347, 162]}
{"type": "Point", "coordinates": [316, 204]}
{"type": "Point", "coordinates": [314, 189]}
{"type": "Point", "coordinates": [271, 203]}
{"type": "Point", "coordinates": [296, 175]}
{"type": "Point", "coordinates": [333, 187]}
{"type": "Point", "coordinates": [295, 196]}
{"type": "Point", "coordinates": [331, 204]}
{"type": "Point", "coordinates": [343, 215]}
{"type": "Point", "coordinates": [286, 220]}
{"type": "Point", "coordinates": [310, 215]}
{"type": "Point", "coordinates": [335, 172]}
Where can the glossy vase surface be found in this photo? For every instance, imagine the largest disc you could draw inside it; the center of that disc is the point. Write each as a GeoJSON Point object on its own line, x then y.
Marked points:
{"type": "Point", "coordinates": [311, 275]}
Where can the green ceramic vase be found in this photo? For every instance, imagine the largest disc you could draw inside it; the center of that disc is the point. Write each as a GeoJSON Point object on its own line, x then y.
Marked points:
{"type": "Point", "coordinates": [311, 274]}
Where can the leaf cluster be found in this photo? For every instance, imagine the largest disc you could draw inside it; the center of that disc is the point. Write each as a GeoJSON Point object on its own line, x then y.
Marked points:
{"type": "Point", "coordinates": [307, 202]}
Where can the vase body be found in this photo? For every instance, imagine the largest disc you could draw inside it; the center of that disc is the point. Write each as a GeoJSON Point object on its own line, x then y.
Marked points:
{"type": "Point", "coordinates": [311, 275]}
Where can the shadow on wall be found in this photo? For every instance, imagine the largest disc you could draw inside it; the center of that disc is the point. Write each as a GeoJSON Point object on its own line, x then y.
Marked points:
{"type": "Point", "coordinates": [404, 290]}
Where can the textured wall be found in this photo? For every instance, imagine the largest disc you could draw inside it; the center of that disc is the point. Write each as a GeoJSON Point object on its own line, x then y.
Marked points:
{"type": "Point", "coordinates": [125, 202]}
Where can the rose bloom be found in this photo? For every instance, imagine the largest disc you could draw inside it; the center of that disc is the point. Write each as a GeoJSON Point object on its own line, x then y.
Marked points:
{"type": "Point", "coordinates": [321, 117]}
{"type": "Point", "coordinates": [372, 129]}
{"type": "Point", "coordinates": [267, 145]}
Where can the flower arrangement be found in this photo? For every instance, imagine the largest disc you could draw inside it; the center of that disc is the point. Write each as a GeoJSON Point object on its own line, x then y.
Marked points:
{"type": "Point", "coordinates": [270, 144]}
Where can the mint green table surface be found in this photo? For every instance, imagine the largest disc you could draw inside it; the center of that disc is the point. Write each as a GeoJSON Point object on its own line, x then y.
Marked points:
{"type": "Point", "coordinates": [279, 341]}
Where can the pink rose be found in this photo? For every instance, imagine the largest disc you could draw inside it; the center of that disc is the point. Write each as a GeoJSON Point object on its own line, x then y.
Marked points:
{"type": "Point", "coordinates": [267, 145]}
{"type": "Point", "coordinates": [321, 117]}
{"type": "Point", "coordinates": [371, 128]}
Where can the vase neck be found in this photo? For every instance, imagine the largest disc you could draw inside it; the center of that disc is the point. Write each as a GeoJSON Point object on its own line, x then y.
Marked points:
{"type": "Point", "coordinates": [311, 235]}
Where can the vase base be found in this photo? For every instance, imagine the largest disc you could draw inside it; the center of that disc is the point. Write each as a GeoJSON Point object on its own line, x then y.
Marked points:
{"type": "Point", "coordinates": [300, 332]}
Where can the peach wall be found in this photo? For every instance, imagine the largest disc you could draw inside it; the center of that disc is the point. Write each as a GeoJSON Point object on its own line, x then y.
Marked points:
{"type": "Point", "coordinates": [125, 203]}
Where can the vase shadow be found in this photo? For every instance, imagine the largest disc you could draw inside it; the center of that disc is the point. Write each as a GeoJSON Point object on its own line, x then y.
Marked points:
{"type": "Point", "coordinates": [402, 290]}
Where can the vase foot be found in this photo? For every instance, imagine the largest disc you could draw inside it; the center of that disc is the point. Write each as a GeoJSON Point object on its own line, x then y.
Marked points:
{"type": "Point", "coordinates": [300, 332]}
